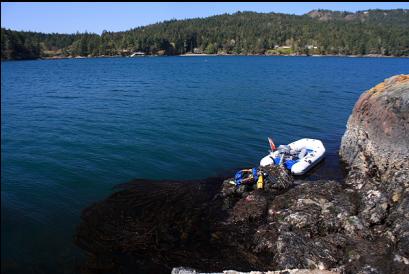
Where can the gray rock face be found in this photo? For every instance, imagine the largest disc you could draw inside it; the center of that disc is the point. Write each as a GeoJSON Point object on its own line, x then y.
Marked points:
{"type": "Point", "coordinates": [376, 143]}
{"type": "Point", "coordinates": [375, 148]}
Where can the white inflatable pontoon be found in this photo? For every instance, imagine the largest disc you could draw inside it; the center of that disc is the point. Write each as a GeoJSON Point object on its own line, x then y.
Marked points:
{"type": "Point", "coordinates": [298, 156]}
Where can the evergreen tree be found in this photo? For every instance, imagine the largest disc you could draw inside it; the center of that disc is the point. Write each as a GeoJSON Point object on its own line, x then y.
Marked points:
{"type": "Point", "coordinates": [330, 32]}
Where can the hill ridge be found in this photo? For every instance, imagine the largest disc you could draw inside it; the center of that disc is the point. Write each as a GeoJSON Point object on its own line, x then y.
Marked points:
{"type": "Point", "coordinates": [383, 32]}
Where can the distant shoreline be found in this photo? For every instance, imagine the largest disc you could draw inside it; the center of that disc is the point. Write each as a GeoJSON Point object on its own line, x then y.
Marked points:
{"type": "Point", "coordinates": [212, 55]}
{"type": "Point", "coordinates": [295, 55]}
{"type": "Point", "coordinates": [206, 54]}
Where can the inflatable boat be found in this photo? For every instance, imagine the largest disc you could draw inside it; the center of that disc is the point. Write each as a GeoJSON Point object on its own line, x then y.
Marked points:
{"type": "Point", "coordinates": [298, 157]}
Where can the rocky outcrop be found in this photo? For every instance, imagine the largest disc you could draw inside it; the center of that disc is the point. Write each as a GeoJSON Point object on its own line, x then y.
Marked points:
{"type": "Point", "coordinates": [360, 226]}
{"type": "Point", "coordinates": [328, 15]}
{"type": "Point", "coordinates": [375, 145]}
{"type": "Point", "coordinates": [151, 227]}
{"type": "Point", "coordinates": [183, 270]}
{"type": "Point", "coordinates": [375, 148]}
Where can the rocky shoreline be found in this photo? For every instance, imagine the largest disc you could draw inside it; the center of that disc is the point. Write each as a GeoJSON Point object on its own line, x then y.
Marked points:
{"type": "Point", "coordinates": [205, 55]}
{"type": "Point", "coordinates": [210, 225]}
{"type": "Point", "coordinates": [270, 55]}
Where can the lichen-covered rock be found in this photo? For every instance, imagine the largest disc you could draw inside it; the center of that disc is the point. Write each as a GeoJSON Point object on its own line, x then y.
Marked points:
{"type": "Point", "coordinates": [398, 220]}
{"type": "Point", "coordinates": [313, 225]}
{"type": "Point", "coordinates": [375, 145]}
{"type": "Point", "coordinates": [252, 207]}
{"type": "Point", "coordinates": [183, 270]}
{"type": "Point", "coordinates": [278, 178]}
{"type": "Point", "coordinates": [374, 208]}
{"type": "Point", "coordinates": [375, 148]}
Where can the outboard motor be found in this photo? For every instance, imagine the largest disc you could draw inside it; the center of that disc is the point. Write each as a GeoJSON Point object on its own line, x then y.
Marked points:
{"type": "Point", "coordinates": [302, 153]}
{"type": "Point", "coordinates": [285, 149]}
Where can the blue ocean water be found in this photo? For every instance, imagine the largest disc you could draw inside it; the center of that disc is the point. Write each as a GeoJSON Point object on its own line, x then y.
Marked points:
{"type": "Point", "coordinates": [72, 129]}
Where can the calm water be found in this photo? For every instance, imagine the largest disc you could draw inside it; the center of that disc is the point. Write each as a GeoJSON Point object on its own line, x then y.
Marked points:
{"type": "Point", "coordinates": [72, 129]}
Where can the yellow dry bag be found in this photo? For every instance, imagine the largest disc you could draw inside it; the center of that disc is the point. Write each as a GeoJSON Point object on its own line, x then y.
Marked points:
{"type": "Point", "coordinates": [260, 181]}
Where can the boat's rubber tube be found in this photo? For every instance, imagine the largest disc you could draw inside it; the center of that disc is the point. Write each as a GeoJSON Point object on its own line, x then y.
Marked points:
{"type": "Point", "coordinates": [315, 153]}
{"type": "Point", "coordinates": [311, 150]}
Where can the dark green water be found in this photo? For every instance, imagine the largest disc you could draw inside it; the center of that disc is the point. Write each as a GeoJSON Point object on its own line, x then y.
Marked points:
{"type": "Point", "coordinates": [72, 129]}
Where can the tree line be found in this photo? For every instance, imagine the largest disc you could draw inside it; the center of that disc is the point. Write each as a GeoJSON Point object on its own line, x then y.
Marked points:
{"type": "Point", "coordinates": [383, 32]}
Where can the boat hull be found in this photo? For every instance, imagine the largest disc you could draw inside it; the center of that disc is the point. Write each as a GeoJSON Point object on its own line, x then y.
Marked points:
{"type": "Point", "coordinates": [315, 153]}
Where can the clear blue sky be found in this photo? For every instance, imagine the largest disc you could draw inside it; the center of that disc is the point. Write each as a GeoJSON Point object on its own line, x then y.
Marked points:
{"type": "Point", "coordinates": [95, 17]}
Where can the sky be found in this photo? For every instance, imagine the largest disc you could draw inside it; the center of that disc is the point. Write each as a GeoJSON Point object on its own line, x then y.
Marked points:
{"type": "Point", "coordinates": [96, 17]}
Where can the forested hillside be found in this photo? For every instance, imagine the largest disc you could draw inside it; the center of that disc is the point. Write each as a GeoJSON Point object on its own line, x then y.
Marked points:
{"type": "Point", "coordinates": [383, 32]}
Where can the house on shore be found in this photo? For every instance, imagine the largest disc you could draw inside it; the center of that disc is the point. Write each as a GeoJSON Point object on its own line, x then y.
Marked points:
{"type": "Point", "coordinates": [138, 53]}
{"type": "Point", "coordinates": [197, 51]}
{"type": "Point", "coordinates": [311, 47]}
